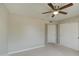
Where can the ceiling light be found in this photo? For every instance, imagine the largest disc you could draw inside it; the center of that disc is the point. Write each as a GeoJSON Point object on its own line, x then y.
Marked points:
{"type": "Point", "coordinates": [55, 12]}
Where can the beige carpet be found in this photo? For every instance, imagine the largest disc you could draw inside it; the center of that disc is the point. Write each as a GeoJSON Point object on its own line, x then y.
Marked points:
{"type": "Point", "coordinates": [49, 50]}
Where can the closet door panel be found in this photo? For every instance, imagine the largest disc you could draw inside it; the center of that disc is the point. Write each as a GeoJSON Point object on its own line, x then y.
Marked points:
{"type": "Point", "coordinates": [69, 35]}
{"type": "Point", "coordinates": [51, 33]}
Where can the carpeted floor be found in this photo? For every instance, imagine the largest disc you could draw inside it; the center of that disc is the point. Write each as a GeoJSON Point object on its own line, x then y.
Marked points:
{"type": "Point", "coordinates": [49, 50]}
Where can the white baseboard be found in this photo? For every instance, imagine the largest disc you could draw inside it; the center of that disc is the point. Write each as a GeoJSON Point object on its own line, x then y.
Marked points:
{"type": "Point", "coordinates": [9, 53]}
{"type": "Point", "coordinates": [69, 47]}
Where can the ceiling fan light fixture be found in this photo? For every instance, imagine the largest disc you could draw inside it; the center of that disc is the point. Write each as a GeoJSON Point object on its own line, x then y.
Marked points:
{"type": "Point", "coordinates": [55, 12]}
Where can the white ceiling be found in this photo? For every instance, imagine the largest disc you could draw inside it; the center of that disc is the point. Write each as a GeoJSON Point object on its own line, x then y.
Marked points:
{"type": "Point", "coordinates": [36, 10]}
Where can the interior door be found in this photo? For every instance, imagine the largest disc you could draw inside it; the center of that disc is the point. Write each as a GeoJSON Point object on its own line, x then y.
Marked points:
{"type": "Point", "coordinates": [69, 35]}
{"type": "Point", "coordinates": [51, 34]}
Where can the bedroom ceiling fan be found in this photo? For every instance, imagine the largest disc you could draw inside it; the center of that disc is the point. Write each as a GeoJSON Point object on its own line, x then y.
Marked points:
{"type": "Point", "coordinates": [56, 9]}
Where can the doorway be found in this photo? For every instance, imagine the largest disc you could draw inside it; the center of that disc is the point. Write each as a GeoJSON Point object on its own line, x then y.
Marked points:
{"type": "Point", "coordinates": [52, 33]}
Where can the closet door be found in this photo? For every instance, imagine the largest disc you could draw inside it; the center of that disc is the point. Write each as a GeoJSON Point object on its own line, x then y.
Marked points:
{"type": "Point", "coordinates": [69, 35]}
{"type": "Point", "coordinates": [51, 34]}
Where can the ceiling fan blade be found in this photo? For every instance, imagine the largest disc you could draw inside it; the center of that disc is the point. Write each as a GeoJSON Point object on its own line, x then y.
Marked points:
{"type": "Point", "coordinates": [66, 6]}
{"type": "Point", "coordinates": [53, 15]}
{"type": "Point", "coordinates": [62, 12]}
{"type": "Point", "coordinates": [47, 12]}
{"type": "Point", "coordinates": [50, 5]}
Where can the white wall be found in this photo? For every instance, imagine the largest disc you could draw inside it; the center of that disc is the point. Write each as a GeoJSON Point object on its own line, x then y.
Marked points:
{"type": "Point", "coordinates": [25, 32]}
{"type": "Point", "coordinates": [3, 29]}
{"type": "Point", "coordinates": [51, 33]}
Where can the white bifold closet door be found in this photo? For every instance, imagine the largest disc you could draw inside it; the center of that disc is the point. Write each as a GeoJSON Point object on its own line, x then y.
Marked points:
{"type": "Point", "coordinates": [69, 35]}
{"type": "Point", "coordinates": [51, 34]}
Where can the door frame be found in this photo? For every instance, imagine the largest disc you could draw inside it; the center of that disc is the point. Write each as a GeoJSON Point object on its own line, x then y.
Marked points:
{"type": "Point", "coordinates": [57, 33]}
